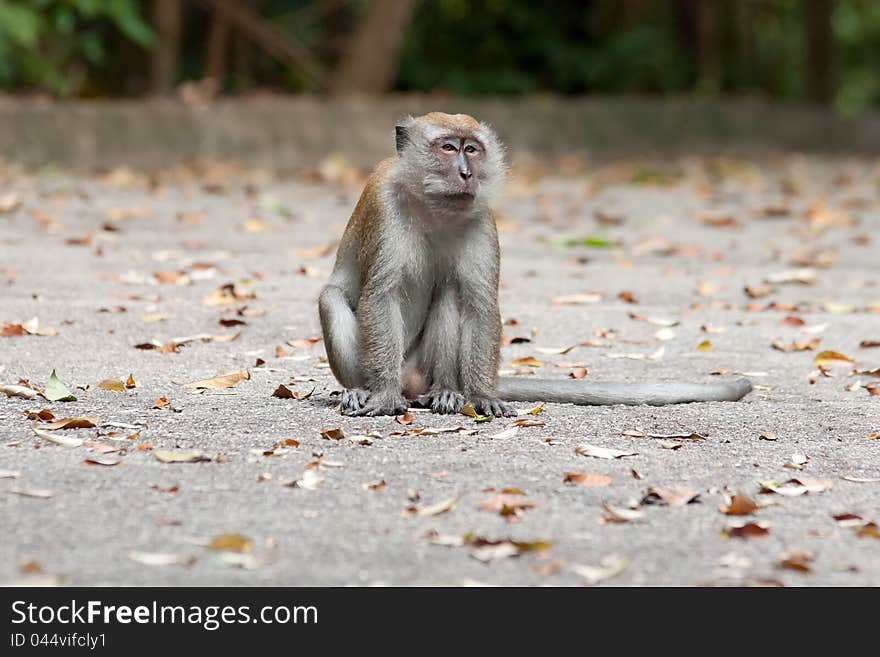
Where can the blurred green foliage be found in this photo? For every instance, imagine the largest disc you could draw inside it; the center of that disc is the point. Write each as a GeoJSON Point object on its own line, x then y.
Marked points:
{"type": "Point", "coordinates": [759, 47]}
{"type": "Point", "coordinates": [59, 44]}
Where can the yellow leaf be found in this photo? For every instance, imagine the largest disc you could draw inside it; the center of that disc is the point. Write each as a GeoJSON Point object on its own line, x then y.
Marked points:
{"type": "Point", "coordinates": [221, 381]}
{"type": "Point", "coordinates": [705, 345]}
{"type": "Point", "coordinates": [831, 358]}
{"type": "Point", "coordinates": [231, 543]}
{"type": "Point", "coordinates": [529, 361]}
{"type": "Point", "coordinates": [112, 384]}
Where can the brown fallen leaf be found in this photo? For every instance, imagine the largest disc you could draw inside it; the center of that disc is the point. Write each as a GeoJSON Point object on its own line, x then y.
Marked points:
{"type": "Point", "coordinates": [578, 373]}
{"type": "Point", "coordinates": [746, 530]}
{"type": "Point", "coordinates": [865, 344]}
{"type": "Point", "coordinates": [869, 530]}
{"type": "Point", "coordinates": [220, 381]}
{"type": "Point", "coordinates": [510, 506]}
{"type": "Point", "coordinates": [588, 479]}
{"type": "Point", "coordinates": [161, 402]}
{"type": "Point", "coordinates": [740, 505]}
{"type": "Point", "coordinates": [374, 485]}
{"type": "Point", "coordinates": [72, 423]}
{"type": "Point", "coordinates": [31, 566]}
{"type": "Point", "coordinates": [797, 345]}
{"type": "Point", "coordinates": [283, 392]}
{"type": "Point", "coordinates": [758, 291]}
{"type": "Point", "coordinates": [677, 495]}
{"type": "Point", "coordinates": [406, 418]}
{"type": "Point", "coordinates": [332, 434]}
{"type": "Point", "coordinates": [798, 560]}
{"type": "Point", "coordinates": [227, 294]}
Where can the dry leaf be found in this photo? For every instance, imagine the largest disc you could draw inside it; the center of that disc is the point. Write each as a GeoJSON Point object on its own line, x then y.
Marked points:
{"type": "Point", "coordinates": [677, 495]}
{"type": "Point", "coordinates": [577, 299]}
{"type": "Point", "coordinates": [588, 479]}
{"type": "Point", "coordinates": [615, 514]}
{"type": "Point", "coordinates": [610, 566]}
{"type": "Point", "coordinates": [601, 452]}
{"type": "Point", "coordinates": [831, 358]}
{"type": "Point", "coordinates": [433, 509]}
{"type": "Point", "coordinates": [740, 505]}
{"type": "Point", "coordinates": [797, 560]}
{"type": "Point", "coordinates": [180, 455]}
{"type": "Point", "coordinates": [747, 530]}
{"type": "Point", "coordinates": [529, 361]}
{"type": "Point", "coordinates": [231, 543]}
{"type": "Point", "coordinates": [72, 423]}
{"type": "Point", "coordinates": [283, 392]}
{"type": "Point", "coordinates": [221, 381]}
{"type": "Point", "coordinates": [161, 558]}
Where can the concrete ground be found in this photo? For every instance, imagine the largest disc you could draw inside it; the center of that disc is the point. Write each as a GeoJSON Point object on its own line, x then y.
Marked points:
{"type": "Point", "coordinates": [682, 239]}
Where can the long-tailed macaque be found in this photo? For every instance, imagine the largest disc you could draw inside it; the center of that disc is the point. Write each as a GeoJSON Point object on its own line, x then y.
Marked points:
{"type": "Point", "coordinates": [411, 309]}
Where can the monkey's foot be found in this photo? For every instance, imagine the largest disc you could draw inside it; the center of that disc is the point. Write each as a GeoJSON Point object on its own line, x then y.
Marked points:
{"type": "Point", "coordinates": [443, 401]}
{"type": "Point", "coordinates": [352, 400]}
{"type": "Point", "coordinates": [380, 403]}
{"type": "Point", "coordinates": [496, 407]}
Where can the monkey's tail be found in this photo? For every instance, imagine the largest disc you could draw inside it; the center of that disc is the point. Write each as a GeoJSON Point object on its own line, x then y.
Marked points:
{"type": "Point", "coordinates": [606, 394]}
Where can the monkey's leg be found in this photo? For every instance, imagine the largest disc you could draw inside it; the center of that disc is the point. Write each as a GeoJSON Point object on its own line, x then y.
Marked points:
{"type": "Point", "coordinates": [339, 327]}
{"type": "Point", "coordinates": [439, 352]}
{"type": "Point", "coordinates": [381, 330]}
{"type": "Point", "coordinates": [480, 332]}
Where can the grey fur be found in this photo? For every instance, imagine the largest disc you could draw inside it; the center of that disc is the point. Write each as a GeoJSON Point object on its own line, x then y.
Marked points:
{"type": "Point", "coordinates": [605, 394]}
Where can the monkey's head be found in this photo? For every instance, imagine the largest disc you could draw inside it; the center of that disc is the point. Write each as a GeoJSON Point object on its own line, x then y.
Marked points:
{"type": "Point", "coordinates": [450, 158]}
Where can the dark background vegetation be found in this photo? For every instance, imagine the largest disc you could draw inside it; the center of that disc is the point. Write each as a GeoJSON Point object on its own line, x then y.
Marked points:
{"type": "Point", "coordinates": [822, 51]}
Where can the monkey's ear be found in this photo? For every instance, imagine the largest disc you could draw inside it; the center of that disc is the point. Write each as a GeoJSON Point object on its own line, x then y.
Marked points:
{"type": "Point", "coordinates": [401, 137]}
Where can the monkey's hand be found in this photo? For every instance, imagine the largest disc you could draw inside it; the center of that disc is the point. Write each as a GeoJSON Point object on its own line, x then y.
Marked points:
{"type": "Point", "coordinates": [380, 403]}
{"type": "Point", "coordinates": [493, 406]}
{"type": "Point", "coordinates": [443, 401]}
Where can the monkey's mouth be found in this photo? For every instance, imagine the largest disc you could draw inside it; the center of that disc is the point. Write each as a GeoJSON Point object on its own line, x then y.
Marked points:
{"type": "Point", "coordinates": [460, 196]}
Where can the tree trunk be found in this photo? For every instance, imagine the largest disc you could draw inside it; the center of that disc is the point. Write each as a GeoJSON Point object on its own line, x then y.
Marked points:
{"type": "Point", "coordinates": [166, 56]}
{"type": "Point", "coordinates": [369, 63]}
{"type": "Point", "coordinates": [820, 50]}
{"type": "Point", "coordinates": [709, 31]}
{"type": "Point", "coordinates": [216, 55]}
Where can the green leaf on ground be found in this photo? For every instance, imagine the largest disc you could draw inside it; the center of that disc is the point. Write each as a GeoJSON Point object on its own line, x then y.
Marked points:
{"type": "Point", "coordinates": [56, 390]}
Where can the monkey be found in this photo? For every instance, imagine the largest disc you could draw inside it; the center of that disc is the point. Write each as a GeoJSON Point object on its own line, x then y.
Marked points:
{"type": "Point", "coordinates": [410, 311]}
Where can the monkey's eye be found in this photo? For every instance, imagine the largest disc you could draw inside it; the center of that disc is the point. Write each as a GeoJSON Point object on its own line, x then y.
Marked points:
{"type": "Point", "coordinates": [470, 149]}
{"type": "Point", "coordinates": [449, 148]}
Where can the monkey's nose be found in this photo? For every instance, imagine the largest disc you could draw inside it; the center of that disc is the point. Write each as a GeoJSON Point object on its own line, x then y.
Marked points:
{"type": "Point", "coordinates": [464, 173]}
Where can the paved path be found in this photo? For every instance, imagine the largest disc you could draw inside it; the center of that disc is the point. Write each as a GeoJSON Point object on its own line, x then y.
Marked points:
{"type": "Point", "coordinates": [82, 255]}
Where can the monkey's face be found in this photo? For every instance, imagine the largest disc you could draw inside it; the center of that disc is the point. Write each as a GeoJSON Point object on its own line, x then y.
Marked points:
{"type": "Point", "coordinates": [456, 169]}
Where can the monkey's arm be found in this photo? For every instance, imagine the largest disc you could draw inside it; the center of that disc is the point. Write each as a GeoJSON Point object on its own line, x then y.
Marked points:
{"type": "Point", "coordinates": [480, 325]}
{"type": "Point", "coordinates": [380, 324]}
{"type": "Point", "coordinates": [605, 394]}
